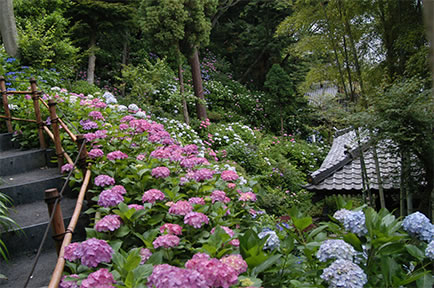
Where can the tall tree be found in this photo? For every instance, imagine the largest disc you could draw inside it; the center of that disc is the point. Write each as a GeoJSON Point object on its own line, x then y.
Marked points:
{"type": "Point", "coordinates": [94, 17]}
{"type": "Point", "coordinates": [8, 27]}
{"type": "Point", "coordinates": [183, 25]}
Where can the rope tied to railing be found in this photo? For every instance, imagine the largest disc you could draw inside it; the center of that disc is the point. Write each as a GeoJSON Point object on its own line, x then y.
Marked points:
{"type": "Point", "coordinates": [56, 201]}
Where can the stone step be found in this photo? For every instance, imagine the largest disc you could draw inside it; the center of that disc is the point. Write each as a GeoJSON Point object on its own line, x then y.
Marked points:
{"type": "Point", "coordinates": [33, 219]}
{"type": "Point", "coordinates": [18, 161]}
{"type": "Point", "coordinates": [6, 142]}
{"type": "Point", "coordinates": [28, 187]}
{"type": "Point", "coordinates": [17, 270]}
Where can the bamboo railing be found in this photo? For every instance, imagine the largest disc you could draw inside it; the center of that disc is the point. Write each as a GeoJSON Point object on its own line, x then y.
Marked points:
{"type": "Point", "coordinates": [54, 135]}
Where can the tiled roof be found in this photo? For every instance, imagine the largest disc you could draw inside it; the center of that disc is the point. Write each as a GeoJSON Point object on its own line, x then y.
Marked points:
{"type": "Point", "coordinates": [341, 170]}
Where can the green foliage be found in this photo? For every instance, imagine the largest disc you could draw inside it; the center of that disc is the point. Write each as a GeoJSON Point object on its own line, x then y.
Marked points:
{"type": "Point", "coordinates": [82, 86]}
{"type": "Point", "coordinates": [5, 222]}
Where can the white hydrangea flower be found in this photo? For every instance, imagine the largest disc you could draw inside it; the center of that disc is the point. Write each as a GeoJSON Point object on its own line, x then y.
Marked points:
{"type": "Point", "coordinates": [133, 107]}
{"type": "Point", "coordinates": [140, 114]}
{"type": "Point", "coordinates": [335, 249]}
{"type": "Point", "coordinates": [122, 108]}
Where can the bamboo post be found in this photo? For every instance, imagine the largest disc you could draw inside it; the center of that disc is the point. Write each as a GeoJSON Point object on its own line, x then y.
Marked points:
{"type": "Point", "coordinates": [56, 133]}
{"type": "Point", "coordinates": [73, 137]}
{"type": "Point", "coordinates": [5, 103]}
{"type": "Point", "coordinates": [57, 224]}
{"type": "Point", "coordinates": [57, 274]}
{"type": "Point", "coordinates": [50, 134]}
{"type": "Point", "coordinates": [35, 98]}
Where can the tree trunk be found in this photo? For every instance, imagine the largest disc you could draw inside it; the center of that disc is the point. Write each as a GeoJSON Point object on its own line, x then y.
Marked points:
{"type": "Point", "coordinates": [181, 91]}
{"type": "Point", "coordinates": [197, 83]}
{"type": "Point", "coordinates": [92, 58]}
{"type": "Point", "coordinates": [379, 179]}
{"type": "Point", "coordinates": [8, 27]}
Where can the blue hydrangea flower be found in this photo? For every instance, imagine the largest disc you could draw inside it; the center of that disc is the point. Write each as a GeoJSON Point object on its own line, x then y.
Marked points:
{"type": "Point", "coordinates": [273, 241]}
{"type": "Point", "coordinates": [10, 60]}
{"type": "Point", "coordinates": [335, 249]}
{"type": "Point", "coordinates": [344, 273]}
{"type": "Point", "coordinates": [429, 251]}
{"type": "Point", "coordinates": [353, 221]}
{"type": "Point", "coordinates": [417, 224]}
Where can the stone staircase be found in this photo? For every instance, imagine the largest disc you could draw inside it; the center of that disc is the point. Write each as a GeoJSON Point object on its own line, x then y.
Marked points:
{"type": "Point", "coordinates": [24, 176]}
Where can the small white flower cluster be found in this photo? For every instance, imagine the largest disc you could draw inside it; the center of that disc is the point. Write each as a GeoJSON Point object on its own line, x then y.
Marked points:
{"type": "Point", "coordinates": [109, 98]}
{"type": "Point", "coordinates": [181, 132]}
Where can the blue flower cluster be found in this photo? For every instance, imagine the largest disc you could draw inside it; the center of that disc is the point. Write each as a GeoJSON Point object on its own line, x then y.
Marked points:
{"type": "Point", "coordinates": [273, 241]}
{"type": "Point", "coordinates": [344, 273]}
{"type": "Point", "coordinates": [335, 249]}
{"type": "Point", "coordinates": [429, 251]}
{"type": "Point", "coordinates": [417, 224]}
{"type": "Point", "coordinates": [353, 221]}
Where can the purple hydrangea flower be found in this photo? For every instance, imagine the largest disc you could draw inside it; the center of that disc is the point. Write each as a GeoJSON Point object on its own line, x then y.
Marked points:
{"type": "Point", "coordinates": [110, 198]}
{"type": "Point", "coordinates": [166, 276]}
{"type": "Point", "coordinates": [196, 219]}
{"type": "Point", "coordinates": [66, 168]}
{"type": "Point", "coordinates": [65, 283]}
{"type": "Point", "coordinates": [344, 273]}
{"type": "Point", "coordinates": [108, 223]}
{"type": "Point", "coordinates": [160, 172]}
{"type": "Point", "coordinates": [166, 241]}
{"type": "Point", "coordinates": [152, 196]}
{"type": "Point", "coordinates": [116, 155]}
{"type": "Point", "coordinates": [229, 175]}
{"type": "Point", "coordinates": [104, 180]}
{"type": "Point", "coordinates": [180, 208]}
{"type": "Point", "coordinates": [99, 279]}
{"type": "Point", "coordinates": [94, 251]}
{"type": "Point", "coordinates": [335, 249]}
{"type": "Point", "coordinates": [95, 153]}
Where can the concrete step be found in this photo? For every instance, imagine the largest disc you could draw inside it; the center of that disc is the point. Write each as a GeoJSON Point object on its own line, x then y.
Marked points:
{"type": "Point", "coordinates": [6, 142]}
{"type": "Point", "coordinates": [28, 187]}
{"type": "Point", "coordinates": [33, 219]}
{"type": "Point", "coordinates": [18, 161]}
{"type": "Point", "coordinates": [17, 270]}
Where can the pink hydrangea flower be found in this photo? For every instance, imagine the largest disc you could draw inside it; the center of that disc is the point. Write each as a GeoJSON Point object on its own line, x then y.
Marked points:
{"type": "Point", "coordinates": [228, 230]}
{"type": "Point", "coordinates": [173, 229]}
{"type": "Point", "coordinates": [104, 180]}
{"type": "Point", "coordinates": [190, 149]}
{"type": "Point", "coordinates": [229, 175]}
{"type": "Point", "coordinates": [66, 168]}
{"type": "Point", "coordinates": [90, 137]}
{"type": "Point", "coordinates": [232, 185]}
{"type": "Point", "coordinates": [94, 251]}
{"type": "Point", "coordinates": [64, 283]}
{"type": "Point", "coordinates": [101, 134]}
{"type": "Point", "coordinates": [166, 241]}
{"type": "Point", "coordinates": [123, 126]}
{"type": "Point", "coordinates": [116, 155]}
{"type": "Point", "coordinates": [141, 157]}
{"type": "Point", "coordinates": [119, 189]}
{"type": "Point", "coordinates": [109, 198]}
{"type": "Point", "coordinates": [203, 174]}
{"type": "Point", "coordinates": [220, 196]}
{"type": "Point", "coordinates": [160, 154]}
{"type": "Point", "coordinates": [160, 172]}
{"type": "Point", "coordinates": [95, 153]}
{"type": "Point", "coordinates": [145, 254]}
{"type": "Point", "coordinates": [136, 206]}
{"type": "Point", "coordinates": [127, 118]}
{"type": "Point", "coordinates": [88, 124]}
{"type": "Point", "coordinates": [102, 278]}
{"type": "Point", "coordinates": [248, 196]}
{"type": "Point", "coordinates": [235, 242]}
{"type": "Point", "coordinates": [96, 115]}
{"type": "Point", "coordinates": [180, 208]}
{"type": "Point", "coordinates": [196, 200]}
{"type": "Point", "coordinates": [72, 251]}
{"type": "Point", "coordinates": [196, 219]}
{"type": "Point", "coordinates": [166, 276]}
{"type": "Point", "coordinates": [108, 223]}
{"type": "Point", "coordinates": [236, 261]}
{"type": "Point", "coordinates": [153, 195]}
{"type": "Point", "coordinates": [216, 273]}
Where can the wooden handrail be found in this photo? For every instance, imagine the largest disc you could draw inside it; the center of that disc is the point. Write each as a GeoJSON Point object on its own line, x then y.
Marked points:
{"type": "Point", "coordinates": [4, 96]}
{"type": "Point", "coordinates": [22, 92]}
{"type": "Point", "coordinates": [51, 135]}
{"type": "Point", "coordinates": [73, 137]}
{"type": "Point", "coordinates": [18, 119]}
{"type": "Point", "coordinates": [58, 270]}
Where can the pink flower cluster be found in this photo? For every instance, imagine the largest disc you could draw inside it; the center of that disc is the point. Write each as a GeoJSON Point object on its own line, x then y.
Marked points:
{"type": "Point", "coordinates": [108, 223]}
{"type": "Point", "coordinates": [141, 157]}
{"type": "Point", "coordinates": [119, 189]}
{"type": "Point", "coordinates": [99, 134]}
{"type": "Point", "coordinates": [181, 208]}
{"type": "Point", "coordinates": [88, 124]}
{"type": "Point", "coordinates": [160, 172]}
{"type": "Point", "coordinates": [152, 196]}
{"type": "Point", "coordinates": [123, 126]}
{"type": "Point", "coordinates": [173, 229]}
{"type": "Point", "coordinates": [228, 230]}
{"type": "Point", "coordinates": [104, 180]}
{"type": "Point", "coordinates": [248, 196]}
{"type": "Point", "coordinates": [96, 115]}
{"type": "Point", "coordinates": [215, 272]}
{"type": "Point", "coordinates": [236, 261]}
{"type": "Point", "coordinates": [91, 252]}
{"type": "Point", "coordinates": [145, 254]}
{"type": "Point", "coordinates": [196, 219]}
{"type": "Point", "coordinates": [166, 241]}
{"type": "Point", "coordinates": [204, 123]}
{"type": "Point", "coordinates": [102, 278]}
{"type": "Point", "coordinates": [95, 153]}
{"type": "Point", "coordinates": [66, 168]}
{"type": "Point", "coordinates": [64, 283]}
{"type": "Point", "coordinates": [167, 276]}
{"type": "Point", "coordinates": [220, 196]}
{"type": "Point", "coordinates": [127, 118]}
{"type": "Point", "coordinates": [136, 206]}
{"type": "Point", "coordinates": [116, 155]}
{"type": "Point", "coordinates": [203, 174]}
{"type": "Point", "coordinates": [229, 175]}
{"type": "Point", "coordinates": [196, 200]}
{"type": "Point", "coordinates": [110, 198]}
